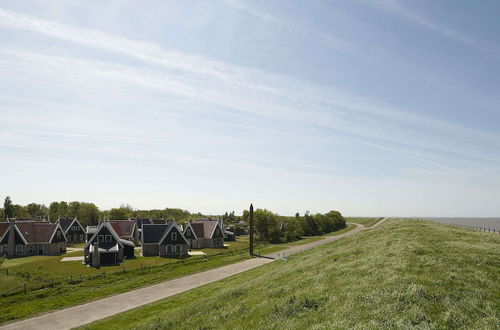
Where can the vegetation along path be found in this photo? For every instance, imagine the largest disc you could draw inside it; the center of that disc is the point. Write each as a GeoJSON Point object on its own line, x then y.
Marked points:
{"type": "Point", "coordinates": [96, 310]}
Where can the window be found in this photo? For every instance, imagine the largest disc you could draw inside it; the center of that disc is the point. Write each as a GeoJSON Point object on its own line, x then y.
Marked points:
{"type": "Point", "coordinates": [58, 234]}
{"type": "Point", "coordinates": [100, 238]}
{"type": "Point", "coordinates": [169, 249]}
{"type": "Point", "coordinates": [19, 249]}
{"type": "Point", "coordinates": [174, 236]}
{"type": "Point", "coordinates": [108, 238]}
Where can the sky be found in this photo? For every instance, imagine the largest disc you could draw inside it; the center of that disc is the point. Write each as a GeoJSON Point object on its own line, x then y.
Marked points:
{"type": "Point", "coordinates": [372, 108]}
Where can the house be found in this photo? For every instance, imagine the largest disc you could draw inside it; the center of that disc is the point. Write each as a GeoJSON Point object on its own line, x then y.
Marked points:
{"type": "Point", "coordinates": [126, 229]}
{"type": "Point", "coordinates": [139, 222]}
{"type": "Point", "coordinates": [72, 229]}
{"type": "Point", "coordinates": [229, 236]}
{"type": "Point", "coordinates": [27, 238]}
{"type": "Point", "coordinates": [105, 247]}
{"type": "Point", "coordinates": [164, 240]}
{"type": "Point", "coordinates": [204, 233]}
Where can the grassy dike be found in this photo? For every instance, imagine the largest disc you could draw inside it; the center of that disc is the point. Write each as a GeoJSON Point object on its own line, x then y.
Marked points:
{"type": "Point", "coordinates": [404, 274]}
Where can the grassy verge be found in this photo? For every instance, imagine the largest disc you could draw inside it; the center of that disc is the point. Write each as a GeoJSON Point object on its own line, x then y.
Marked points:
{"type": "Point", "coordinates": [404, 274]}
{"type": "Point", "coordinates": [53, 284]}
{"type": "Point", "coordinates": [367, 222]}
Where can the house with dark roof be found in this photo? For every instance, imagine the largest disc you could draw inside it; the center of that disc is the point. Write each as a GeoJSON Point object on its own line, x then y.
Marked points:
{"type": "Point", "coordinates": [105, 247]}
{"type": "Point", "coordinates": [27, 238]}
{"type": "Point", "coordinates": [204, 233]}
{"type": "Point", "coordinates": [72, 229]}
{"type": "Point", "coordinates": [164, 240]}
{"type": "Point", "coordinates": [126, 229]}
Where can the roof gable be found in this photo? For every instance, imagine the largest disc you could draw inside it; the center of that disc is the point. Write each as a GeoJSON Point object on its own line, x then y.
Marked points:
{"type": "Point", "coordinates": [205, 228]}
{"type": "Point", "coordinates": [124, 228]}
{"type": "Point", "coordinates": [173, 227]}
{"type": "Point", "coordinates": [37, 232]}
{"type": "Point", "coordinates": [105, 225]}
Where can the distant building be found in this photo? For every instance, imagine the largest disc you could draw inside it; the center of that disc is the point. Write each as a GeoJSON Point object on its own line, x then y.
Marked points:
{"type": "Point", "coordinates": [27, 238]}
{"type": "Point", "coordinates": [204, 233]}
{"type": "Point", "coordinates": [105, 247]}
{"type": "Point", "coordinates": [164, 240]}
{"type": "Point", "coordinates": [72, 229]}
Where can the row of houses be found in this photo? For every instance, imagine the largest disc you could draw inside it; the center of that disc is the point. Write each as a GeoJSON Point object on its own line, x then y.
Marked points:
{"type": "Point", "coordinates": [112, 241]}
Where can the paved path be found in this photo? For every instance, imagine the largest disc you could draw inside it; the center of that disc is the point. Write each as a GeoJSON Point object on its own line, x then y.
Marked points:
{"type": "Point", "coordinates": [82, 314]}
{"type": "Point", "coordinates": [72, 259]}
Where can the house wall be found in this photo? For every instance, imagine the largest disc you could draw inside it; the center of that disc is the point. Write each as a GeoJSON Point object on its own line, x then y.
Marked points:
{"type": "Point", "coordinates": [54, 248]}
{"type": "Point", "coordinates": [181, 250]}
{"type": "Point", "coordinates": [203, 243]}
{"type": "Point", "coordinates": [150, 250]}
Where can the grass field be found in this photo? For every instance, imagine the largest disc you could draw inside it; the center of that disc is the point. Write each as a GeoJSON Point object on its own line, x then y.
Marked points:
{"type": "Point", "coordinates": [404, 274]}
{"type": "Point", "coordinates": [367, 222]}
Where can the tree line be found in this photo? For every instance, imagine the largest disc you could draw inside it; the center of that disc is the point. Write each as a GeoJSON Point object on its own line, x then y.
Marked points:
{"type": "Point", "coordinates": [273, 228]}
{"type": "Point", "coordinates": [88, 213]}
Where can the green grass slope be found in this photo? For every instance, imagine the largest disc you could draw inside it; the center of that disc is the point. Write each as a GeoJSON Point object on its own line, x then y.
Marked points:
{"type": "Point", "coordinates": [404, 274]}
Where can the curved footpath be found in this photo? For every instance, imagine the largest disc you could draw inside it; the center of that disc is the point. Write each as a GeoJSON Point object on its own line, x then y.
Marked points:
{"type": "Point", "coordinates": [83, 314]}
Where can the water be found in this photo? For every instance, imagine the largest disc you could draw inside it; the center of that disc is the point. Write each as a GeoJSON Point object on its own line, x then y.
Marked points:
{"type": "Point", "coordinates": [492, 223]}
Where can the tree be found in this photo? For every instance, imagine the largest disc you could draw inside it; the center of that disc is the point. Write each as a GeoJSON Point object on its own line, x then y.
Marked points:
{"type": "Point", "coordinates": [313, 226]}
{"type": "Point", "coordinates": [63, 210]}
{"type": "Point", "coordinates": [54, 211]}
{"type": "Point", "coordinates": [34, 210]}
{"type": "Point", "coordinates": [120, 213]}
{"type": "Point", "coordinates": [8, 210]}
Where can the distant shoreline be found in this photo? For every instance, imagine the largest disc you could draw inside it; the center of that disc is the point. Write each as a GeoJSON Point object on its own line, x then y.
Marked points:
{"type": "Point", "coordinates": [492, 223]}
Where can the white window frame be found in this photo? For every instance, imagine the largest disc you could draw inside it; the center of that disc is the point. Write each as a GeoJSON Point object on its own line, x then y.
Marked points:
{"type": "Point", "coordinates": [100, 238]}
{"type": "Point", "coordinates": [58, 234]}
{"type": "Point", "coordinates": [174, 236]}
{"type": "Point", "coordinates": [107, 238]}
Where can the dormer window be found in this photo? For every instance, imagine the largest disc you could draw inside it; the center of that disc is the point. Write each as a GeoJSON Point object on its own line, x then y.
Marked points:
{"type": "Point", "coordinates": [58, 235]}
{"type": "Point", "coordinates": [108, 238]}
{"type": "Point", "coordinates": [174, 236]}
{"type": "Point", "coordinates": [100, 238]}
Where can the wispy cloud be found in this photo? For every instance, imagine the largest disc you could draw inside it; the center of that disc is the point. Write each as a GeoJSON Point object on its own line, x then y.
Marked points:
{"type": "Point", "coordinates": [299, 28]}
{"type": "Point", "coordinates": [394, 6]}
{"type": "Point", "coordinates": [249, 91]}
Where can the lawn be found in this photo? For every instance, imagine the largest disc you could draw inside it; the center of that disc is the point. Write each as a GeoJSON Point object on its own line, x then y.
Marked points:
{"type": "Point", "coordinates": [404, 274]}
{"type": "Point", "coordinates": [367, 222]}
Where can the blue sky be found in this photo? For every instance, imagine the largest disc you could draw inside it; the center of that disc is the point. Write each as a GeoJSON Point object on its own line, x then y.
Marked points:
{"type": "Point", "coordinates": [367, 107]}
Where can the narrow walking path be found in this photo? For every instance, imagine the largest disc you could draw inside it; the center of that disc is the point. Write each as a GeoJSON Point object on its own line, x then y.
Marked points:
{"type": "Point", "coordinates": [83, 314]}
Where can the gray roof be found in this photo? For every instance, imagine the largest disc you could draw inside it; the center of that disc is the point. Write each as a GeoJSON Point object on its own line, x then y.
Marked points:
{"type": "Point", "coordinates": [92, 229]}
{"type": "Point", "coordinates": [153, 233]}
